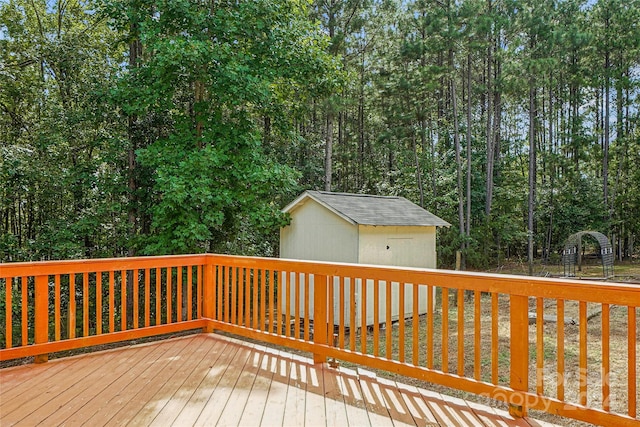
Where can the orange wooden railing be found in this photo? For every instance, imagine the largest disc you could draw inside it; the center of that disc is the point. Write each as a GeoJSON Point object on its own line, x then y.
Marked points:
{"type": "Point", "coordinates": [492, 339]}
{"type": "Point", "coordinates": [64, 305]}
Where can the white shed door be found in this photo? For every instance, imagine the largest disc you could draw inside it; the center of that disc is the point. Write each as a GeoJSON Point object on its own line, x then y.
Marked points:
{"type": "Point", "coordinates": [398, 250]}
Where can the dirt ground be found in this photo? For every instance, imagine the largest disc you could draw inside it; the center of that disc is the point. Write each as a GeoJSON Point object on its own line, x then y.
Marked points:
{"type": "Point", "coordinates": [619, 317]}
{"type": "Point", "coordinates": [624, 272]}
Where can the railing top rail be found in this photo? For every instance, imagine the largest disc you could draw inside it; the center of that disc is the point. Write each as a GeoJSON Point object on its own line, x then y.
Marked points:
{"type": "Point", "coordinates": [39, 268]}
{"type": "Point", "coordinates": [583, 290]}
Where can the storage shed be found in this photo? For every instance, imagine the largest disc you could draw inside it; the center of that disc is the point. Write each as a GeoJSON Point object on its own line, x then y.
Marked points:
{"type": "Point", "coordinates": [359, 228]}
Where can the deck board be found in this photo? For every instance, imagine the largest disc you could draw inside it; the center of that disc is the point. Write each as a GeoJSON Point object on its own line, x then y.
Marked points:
{"type": "Point", "coordinates": [315, 398]}
{"type": "Point", "coordinates": [335, 410]}
{"type": "Point", "coordinates": [201, 394]}
{"type": "Point", "coordinates": [183, 392]}
{"type": "Point", "coordinates": [102, 404]}
{"type": "Point", "coordinates": [123, 395]}
{"type": "Point", "coordinates": [257, 399]}
{"type": "Point", "coordinates": [294, 409]}
{"type": "Point", "coordinates": [208, 379]}
{"type": "Point", "coordinates": [224, 390]}
{"type": "Point", "coordinates": [232, 412]}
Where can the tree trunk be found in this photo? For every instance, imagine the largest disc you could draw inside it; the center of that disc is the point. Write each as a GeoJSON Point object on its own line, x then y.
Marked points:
{"type": "Point", "coordinates": [328, 153]}
{"type": "Point", "coordinates": [489, 126]}
{"type": "Point", "coordinates": [456, 140]}
{"type": "Point", "coordinates": [418, 171]}
{"type": "Point", "coordinates": [532, 170]}
{"type": "Point", "coordinates": [605, 148]}
{"type": "Point", "coordinates": [468, 228]}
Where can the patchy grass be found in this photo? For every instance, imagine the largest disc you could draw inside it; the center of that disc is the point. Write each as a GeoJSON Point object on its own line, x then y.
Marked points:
{"type": "Point", "coordinates": [625, 271]}
{"type": "Point", "coordinates": [618, 351]}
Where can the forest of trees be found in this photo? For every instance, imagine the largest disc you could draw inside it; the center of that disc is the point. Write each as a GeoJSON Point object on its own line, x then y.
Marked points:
{"type": "Point", "coordinates": [136, 127]}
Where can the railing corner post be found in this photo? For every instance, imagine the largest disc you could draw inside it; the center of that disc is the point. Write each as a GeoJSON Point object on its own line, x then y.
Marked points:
{"type": "Point", "coordinates": [41, 315]}
{"type": "Point", "coordinates": [319, 315]}
{"type": "Point", "coordinates": [209, 295]}
{"type": "Point", "coordinates": [519, 335]}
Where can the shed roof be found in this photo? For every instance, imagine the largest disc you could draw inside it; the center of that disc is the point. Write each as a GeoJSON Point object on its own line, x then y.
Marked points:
{"type": "Point", "coordinates": [367, 209]}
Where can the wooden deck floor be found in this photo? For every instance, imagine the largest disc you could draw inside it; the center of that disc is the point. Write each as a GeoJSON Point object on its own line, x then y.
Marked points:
{"type": "Point", "coordinates": [208, 379]}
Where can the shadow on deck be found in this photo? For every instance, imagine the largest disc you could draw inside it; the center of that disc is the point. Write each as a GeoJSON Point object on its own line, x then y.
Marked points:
{"type": "Point", "coordinates": [208, 379]}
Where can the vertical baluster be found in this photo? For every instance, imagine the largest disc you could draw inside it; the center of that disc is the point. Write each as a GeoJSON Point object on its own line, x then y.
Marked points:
{"type": "Point", "coordinates": [307, 299]}
{"type": "Point", "coordinates": [341, 308]}
{"type": "Point", "coordinates": [352, 313]}
{"type": "Point", "coordinates": [460, 332]}
{"type": "Point", "coordinates": [254, 288]}
{"type": "Point", "coordinates": [560, 349]}
{"type": "Point", "coordinates": [376, 315]}
{"type": "Point", "coordinates": [401, 313]}
{"type": "Point", "coordinates": [240, 276]}
{"type": "Point", "coordinates": [233, 283]}
{"type": "Point", "coordinates": [230, 295]}
{"type": "Point", "coordinates": [199, 291]}
{"type": "Point", "coordinates": [247, 296]}
{"type": "Point", "coordinates": [389, 327]}
{"type": "Point", "coordinates": [72, 306]}
{"type": "Point", "coordinates": [190, 292]}
{"type": "Point", "coordinates": [271, 283]}
{"type": "Point", "coordinates": [430, 309]}
{"type": "Point", "coordinates": [158, 296]}
{"type": "Point", "coordinates": [227, 291]}
{"type": "Point", "coordinates": [445, 330]}
{"type": "Point", "coordinates": [287, 284]}
{"type": "Point", "coordinates": [220, 292]}
{"type": "Point", "coordinates": [179, 299]}
{"type": "Point", "coordinates": [169, 295]}
{"type": "Point", "coordinates": [98, 302]}
{"type": "Point", "coordinates": [147, 297]}
{"type": "Point", "coordinates": [477, 297]}
{"type": "Point", "coordinates": [136, 295]}
{"type": "Point", "coordinates": [9, 305]}
{"type": "Point", "coordinates": [85, 304]}
{"type": "Point", "coordinates": [494, 338]}
{"type": "Point", "coordinates": [276, 302]}
{"type": "Point", "coordinates": [25, 311]}
{"type": "Point", "coordinates": [539, 346]}
{"type": "Point", "coordinates": [56, 307]}
{"type": "Point", "coordinates": [111, 302]}
{"type": "Point", "coordinates": [363, 327]}
{"type": "Point", "coordinates": [330, 305]}
{"type": "Point", "coordinates": [633, 361]}
{"type": "Point", "coordinates": [297, 289]}
{"type": "Point", "coordinates": [263, 300]}
{"type": "Point", "coordinates": [606, 331]}
{"type": "Point", "coordinates": [416, 325]}
{"type": "Point", "coordinates": [583, 353]}
{"type": "Point", "coordinates": [123, 300]}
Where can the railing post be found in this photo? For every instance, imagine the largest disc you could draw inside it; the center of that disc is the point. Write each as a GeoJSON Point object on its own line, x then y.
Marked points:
{"type": "Point", "coordinates": [519, 331]}
{"type": "Point", "coordinates": [209, 294]}
{"type": "Point", "coordinates": [319, 315]}
{"type": "Point", "coordinates": [41, 315]}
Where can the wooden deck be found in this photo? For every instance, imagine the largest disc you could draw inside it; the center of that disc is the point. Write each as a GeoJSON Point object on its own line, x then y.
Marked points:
{"type": "Point", "coordinates": [208, 379]}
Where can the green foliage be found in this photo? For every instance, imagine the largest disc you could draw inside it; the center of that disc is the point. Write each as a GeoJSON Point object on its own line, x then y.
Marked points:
{"type": "Point", "coordinates": [148, 127]}
{"type": "Point", "coordinates": [216, 71]}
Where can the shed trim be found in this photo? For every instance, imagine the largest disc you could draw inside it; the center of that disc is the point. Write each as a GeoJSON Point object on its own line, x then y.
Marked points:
{"type": "Point", "coordinates": [374, 210]}
{"type": "Point", "coordinates": [307, 195]}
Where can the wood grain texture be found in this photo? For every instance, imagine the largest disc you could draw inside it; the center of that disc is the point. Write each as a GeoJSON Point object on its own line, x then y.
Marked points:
{"type": "Point", "coordinates": [209, 379]}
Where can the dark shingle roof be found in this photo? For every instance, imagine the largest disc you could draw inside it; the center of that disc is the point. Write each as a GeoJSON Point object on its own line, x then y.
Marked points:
{"type": "Point", "coordinates": [373, 210]}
